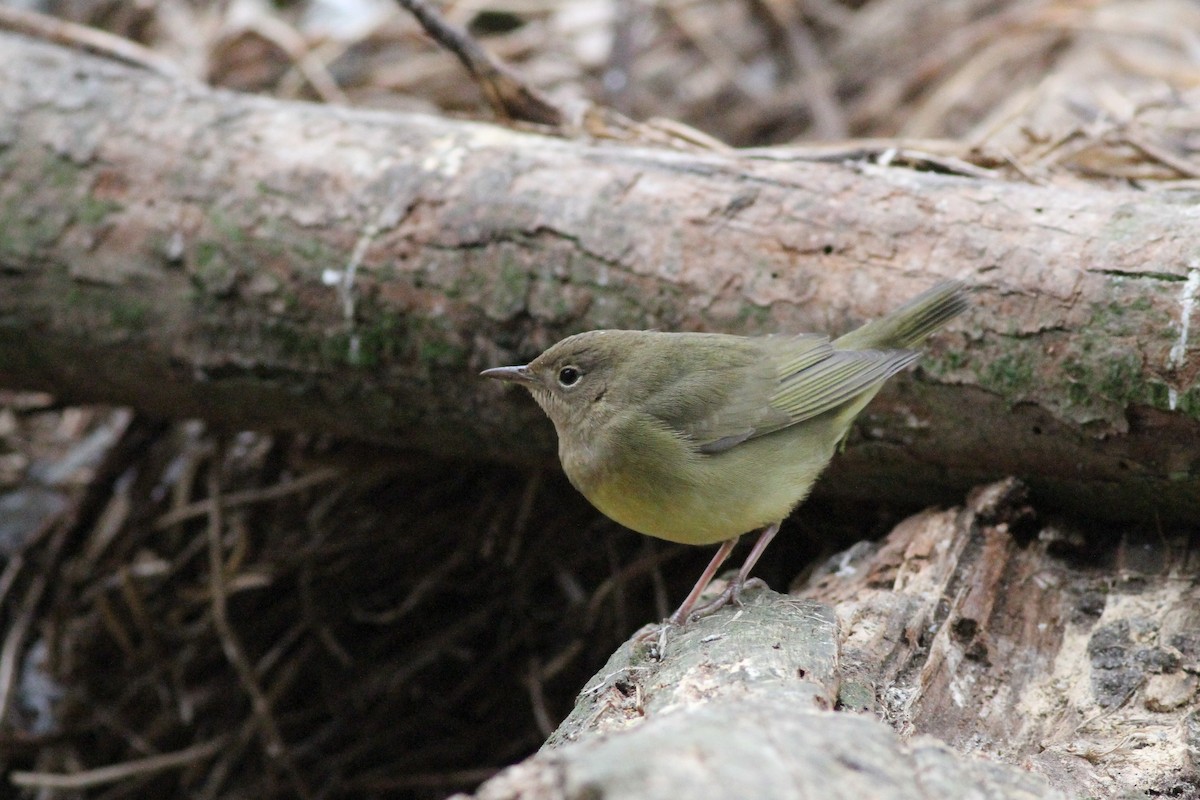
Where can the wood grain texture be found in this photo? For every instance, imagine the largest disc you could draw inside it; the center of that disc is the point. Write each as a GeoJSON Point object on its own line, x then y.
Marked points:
{"type": "Point", "coordinates": [265, 264]}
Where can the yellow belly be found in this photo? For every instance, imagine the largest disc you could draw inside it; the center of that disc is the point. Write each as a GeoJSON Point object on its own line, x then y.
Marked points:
{"type": "Point", "coordinates": [709, 498]}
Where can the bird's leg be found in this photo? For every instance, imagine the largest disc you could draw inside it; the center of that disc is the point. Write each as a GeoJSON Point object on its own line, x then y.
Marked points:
{"type": "Point", "coordinates": [733, 592]}
{"type": "Point", "coordinates": [681, 614]}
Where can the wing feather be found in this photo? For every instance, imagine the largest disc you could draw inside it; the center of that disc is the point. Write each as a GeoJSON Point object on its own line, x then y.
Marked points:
{"type": "Point", "coordinates": [761, 386]}
{"type": "Point", "coordinates": [845, 374]}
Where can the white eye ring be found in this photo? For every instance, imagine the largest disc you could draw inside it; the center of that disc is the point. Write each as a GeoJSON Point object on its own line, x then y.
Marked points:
{"type": "Point", "coordinates": [568, 376]}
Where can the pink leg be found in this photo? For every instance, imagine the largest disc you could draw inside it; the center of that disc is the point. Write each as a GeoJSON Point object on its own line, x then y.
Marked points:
{"type": "Point", "coordinates": [681, 614]}
{"type": "Point", "coordinates": [733, 591]}
{"type": "Point", "coordinates": [764, 539]}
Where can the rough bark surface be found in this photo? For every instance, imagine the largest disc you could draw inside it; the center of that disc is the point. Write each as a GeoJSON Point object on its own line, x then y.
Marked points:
{"type": "Point", "coordinates": [1003, 655]}
{"type": "Point", "coordinates": [257, 263]}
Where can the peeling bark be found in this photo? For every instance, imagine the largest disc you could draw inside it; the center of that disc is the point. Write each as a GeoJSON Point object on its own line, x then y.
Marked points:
{"type": "Point", "coordinates": [975, 652]}
{"type": "Point", "coordinates": [263, 264]}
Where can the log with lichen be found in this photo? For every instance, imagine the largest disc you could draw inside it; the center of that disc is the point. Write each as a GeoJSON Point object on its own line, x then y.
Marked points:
{"type": "Point", "coordinates": [263, 264]}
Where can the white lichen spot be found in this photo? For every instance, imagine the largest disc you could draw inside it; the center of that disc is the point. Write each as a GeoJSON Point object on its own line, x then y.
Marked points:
{"type": "Point", "coordinates": [911, 420]}
{"type": "Point", "coordinates": [175, 246]}
{"type": "Point", "coordinates": [845, 564]}
{"type": "Point", "coordinates": [1187, 305]}
{"type": "Point", "coordinates": [343, 280]}
{"type": "Point", "coordinates": [961, 687]}
{"type": "Point", "coordinates": [445, 157]}
{"type": "Point", "coordinates": [493, 136]}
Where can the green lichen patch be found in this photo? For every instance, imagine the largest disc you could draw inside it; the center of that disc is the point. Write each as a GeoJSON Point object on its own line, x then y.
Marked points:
{"type": "Point", "coordinates": [947, 361]}
{"type": "Point", "coordinates": [116, 314]}
{"type": "Point", "coordinates": [92, 211]}
{"type": "Point", "coordinates": [315, 253]}
{"type": "Point", "coordinates": [510, 287]}
{"type": "Point", "coordinates": [211, 269]}
{"type": "Point", "coordinates": [61, 173]}
{"type": "Point", "coordinates": [1087, 376]}
{"type": "Point", "coordinates": [1120, 379]}
{"type": "Point", "coordinates": [1099, 380]}
{"type": "Point", "coordinates": [226, 228]}
{"type": "Point", "coordinates": [442, 353]}
{"type": "Point", "coordinates": [1011, 374]}
{"type": "Point", "coordinates": [130, 315]}
{"type": "Point", "coordinates": [27, 230]}
{"type": "Point", "coordinates": [435, 343]}
{"type": "Point", "coordinates": [1188, 402]}
{"type": "Point", "coordinates": [754, 319]}
{"type": "Point", "coordinates": [1142, 308]}
{"type": "Point", "coordinates": [376, 339]}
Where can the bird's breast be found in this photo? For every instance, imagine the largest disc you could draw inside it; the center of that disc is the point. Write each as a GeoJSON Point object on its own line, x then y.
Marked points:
{"type": "Point", "coordinates": [671, 492]}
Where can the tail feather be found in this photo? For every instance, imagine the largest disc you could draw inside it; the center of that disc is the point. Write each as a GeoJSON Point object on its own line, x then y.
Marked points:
{"type": "Point", "coordinates": [907, 326]}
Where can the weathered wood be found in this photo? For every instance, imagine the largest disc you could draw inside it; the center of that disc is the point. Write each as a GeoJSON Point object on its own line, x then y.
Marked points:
{"type": "Point", "coordinates": [1071, 651]}
{"type": "Point", "coordinates": [265, 264]}
{"type": "Point", "coordinates": [741, 706]}
{"type": "Point", "coordinates": [1005, 654]}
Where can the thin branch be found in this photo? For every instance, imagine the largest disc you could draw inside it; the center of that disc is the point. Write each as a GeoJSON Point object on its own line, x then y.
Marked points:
{"type": "Point", "coordinates": [230, 644]}
{"type": "Point", "coordinates": [510, 97]}
{"type": "Point", "coordinates": [117, 772]}
{"type": "Point", "coordinates": [248, 497]}
{"type": "Point", "coordinates": [14, 643]}
{"type": "Point", "coordinates": [90, 40]}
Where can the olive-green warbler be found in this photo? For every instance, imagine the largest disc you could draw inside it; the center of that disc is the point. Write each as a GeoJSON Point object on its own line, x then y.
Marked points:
{"type": "Point", "coordinates": [701, 437]}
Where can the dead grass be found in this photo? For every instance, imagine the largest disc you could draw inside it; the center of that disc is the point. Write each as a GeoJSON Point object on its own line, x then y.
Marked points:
{"type": "Point", "coordinates": [287, 616]}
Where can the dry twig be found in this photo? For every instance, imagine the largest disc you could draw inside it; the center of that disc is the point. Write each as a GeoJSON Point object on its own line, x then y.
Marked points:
{"type": "Point", "coordinates": [268, 728]}
{"type": "Point", "coordinates": [91, 40]}
{"type": "Point", "coordinates": [91, 778]}
{"type": "Point", "coordinates": [510, 97]}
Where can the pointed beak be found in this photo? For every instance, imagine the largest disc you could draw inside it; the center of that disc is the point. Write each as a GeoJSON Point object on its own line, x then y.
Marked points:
{"type": "Point", "coordinates": [514, 374]}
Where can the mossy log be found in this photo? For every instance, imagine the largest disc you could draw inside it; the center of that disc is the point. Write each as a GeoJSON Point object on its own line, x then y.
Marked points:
{"type": "Point", "coordinates": [257, 263]}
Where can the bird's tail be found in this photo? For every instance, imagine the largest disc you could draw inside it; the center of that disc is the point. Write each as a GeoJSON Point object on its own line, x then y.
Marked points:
{"type": "Point", "coordinates": [908, 325]}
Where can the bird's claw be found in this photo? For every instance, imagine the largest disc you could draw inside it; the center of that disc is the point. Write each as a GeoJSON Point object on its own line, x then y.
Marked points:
{"type": "Point", "coordinates": [731, 596]}
{"type": "Point", "coordinates": [649, 633]}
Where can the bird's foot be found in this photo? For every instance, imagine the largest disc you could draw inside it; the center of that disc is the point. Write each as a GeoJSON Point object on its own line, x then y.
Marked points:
{"type": "Point", "coordinates": [654, 636]}
{"type": "Point", "coordinates": [731, 596]}
{"type": "Point", "coordinates": [654, 630]}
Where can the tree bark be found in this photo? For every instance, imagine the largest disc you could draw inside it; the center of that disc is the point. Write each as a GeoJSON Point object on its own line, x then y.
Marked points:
{"type": "Point", "coordinates": [1002, 654]}
{"type": "Point", "coordinates": [265, 264]}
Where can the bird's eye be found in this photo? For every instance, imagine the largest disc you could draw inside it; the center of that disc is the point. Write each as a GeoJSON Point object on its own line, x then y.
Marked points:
{"type": "Point", "coordinates": [569, 376]}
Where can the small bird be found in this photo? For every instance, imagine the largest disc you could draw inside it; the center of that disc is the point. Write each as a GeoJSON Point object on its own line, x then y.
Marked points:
{"type": "Point", "coordinates": [701, 437]}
